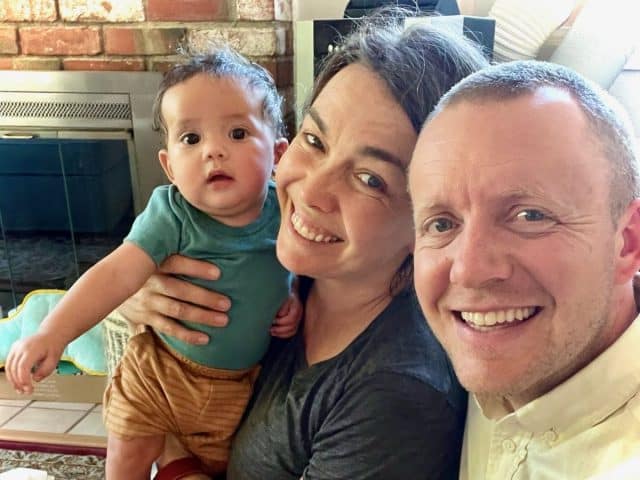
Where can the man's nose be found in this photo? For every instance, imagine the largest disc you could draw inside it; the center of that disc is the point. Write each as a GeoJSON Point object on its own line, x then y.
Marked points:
{"type": "Point", "coordinates": [479, 257]}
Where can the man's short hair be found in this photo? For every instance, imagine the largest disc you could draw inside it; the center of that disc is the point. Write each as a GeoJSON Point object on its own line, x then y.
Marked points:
{"type": "Point", "coordinates": [607, 120]}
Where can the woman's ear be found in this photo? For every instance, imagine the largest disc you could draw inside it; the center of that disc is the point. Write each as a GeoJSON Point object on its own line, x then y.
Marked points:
{"type": "Point", "coordinates": [628, 243]}
{"type": "Point", "coordinates": [163, 156]}
{"type": "Point", "coordinates": [279, 147]}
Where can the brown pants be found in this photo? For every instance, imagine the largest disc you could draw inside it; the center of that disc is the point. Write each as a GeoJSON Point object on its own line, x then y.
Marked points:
{"type": "Point", "coordinates": [156, 391]}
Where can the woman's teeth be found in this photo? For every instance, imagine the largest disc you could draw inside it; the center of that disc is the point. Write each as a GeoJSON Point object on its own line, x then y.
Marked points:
{"type": "Point", "coordinates": [309, 233]}
{"type": "Point", "coordinates": [487, 319]}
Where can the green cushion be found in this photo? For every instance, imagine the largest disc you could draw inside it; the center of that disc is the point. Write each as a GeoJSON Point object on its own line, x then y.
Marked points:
{"type": "Point", "coordinates": [85, 353]}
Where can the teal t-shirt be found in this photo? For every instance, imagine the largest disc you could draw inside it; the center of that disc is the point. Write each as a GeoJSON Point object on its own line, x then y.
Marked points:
{"type": "Point", "coordinates": [251, 275]}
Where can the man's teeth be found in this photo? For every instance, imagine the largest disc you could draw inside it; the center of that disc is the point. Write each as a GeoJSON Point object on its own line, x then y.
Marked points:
{"type": "Point", "coordinates": [487, 319]}
{"type": "Point", "coordinates": [309, 233]}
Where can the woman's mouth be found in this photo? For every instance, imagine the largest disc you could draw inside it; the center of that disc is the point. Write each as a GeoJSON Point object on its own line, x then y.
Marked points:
{"type": "Point", "coordinates": [311, 233]}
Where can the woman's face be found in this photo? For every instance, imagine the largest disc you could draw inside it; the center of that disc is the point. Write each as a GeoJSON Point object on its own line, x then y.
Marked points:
{"type": "Point", "coordinates": [342, 184]}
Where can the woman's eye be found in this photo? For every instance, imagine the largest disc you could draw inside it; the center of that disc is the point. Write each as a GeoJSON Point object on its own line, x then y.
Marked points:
{"type": "Point", "coordinates": [238, 134]}
{"type": "Point", "coordinates": [190, 138]}
{"type": "Point", "coordinates": [314, 141]}
{"type": "Point", "coordinates": [371, 181]}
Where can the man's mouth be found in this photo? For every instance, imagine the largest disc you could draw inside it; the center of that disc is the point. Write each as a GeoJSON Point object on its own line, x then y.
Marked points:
{"type": "Point", "coordinates": [497, 318]}
{"type": "Point", "coordinates": [311, 233]}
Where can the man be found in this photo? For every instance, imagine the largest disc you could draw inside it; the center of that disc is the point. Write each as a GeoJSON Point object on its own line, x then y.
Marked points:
{"type": "Point", "coordinates": [526, 193]}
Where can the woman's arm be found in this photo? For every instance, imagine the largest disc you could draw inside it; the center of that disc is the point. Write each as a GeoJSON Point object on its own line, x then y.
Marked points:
{"type": "Point", "coordinates": [164, 297]}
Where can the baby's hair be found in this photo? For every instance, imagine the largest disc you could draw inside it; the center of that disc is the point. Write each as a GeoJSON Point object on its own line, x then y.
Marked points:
{"type": "Point", "coordinates": [223, 62]}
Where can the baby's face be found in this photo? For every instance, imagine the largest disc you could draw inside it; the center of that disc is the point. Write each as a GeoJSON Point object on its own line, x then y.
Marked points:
{"type": "Point", "coordinates": [220, 150]}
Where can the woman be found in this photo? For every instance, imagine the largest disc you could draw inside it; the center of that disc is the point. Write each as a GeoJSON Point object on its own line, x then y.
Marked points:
{"type": "Point", "coordinates": [363, 390]}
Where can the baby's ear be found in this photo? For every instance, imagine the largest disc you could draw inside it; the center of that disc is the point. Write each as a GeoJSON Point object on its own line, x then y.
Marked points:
{"type": "Point", "coordinates": [279, 147]}
{"type": "Point", "coordinates": [163, 156]}
{"type": "Point", "coordinates": [628, 243]}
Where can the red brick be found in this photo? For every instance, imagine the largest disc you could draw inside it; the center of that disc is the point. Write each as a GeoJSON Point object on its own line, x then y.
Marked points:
{"type": "Point", "coordinates": [175, 10]}
{"type": "Point", "coordinates": [60, 40]}
{"type": "Point", "coordinates": [8, 40]}
{"type": "Point", "coordinates": [254, 42]}
{"type": "Point", "coordinates": [6, 63]}
{"type": "Point", "coordinates": [254, 9]}
{"type": "Point", "coordinates": [281, 69]}
{"type": "Point", "coordinates": [124, 64]}
{"type": "Point", "coordinates": [162, 64]}
{"type": "Point", "coordinates": [101, 10]}
{"type": "Point", "coordinates": [149, 41]}
{"type": "Point", "coordinates": [36, 63]}
{"type": "Point", "coordinates": [28, 11]}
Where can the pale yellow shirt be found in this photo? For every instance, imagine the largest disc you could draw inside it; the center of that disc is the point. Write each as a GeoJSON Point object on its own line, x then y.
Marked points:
{"type": "Point", "coordinates": [586, 428]}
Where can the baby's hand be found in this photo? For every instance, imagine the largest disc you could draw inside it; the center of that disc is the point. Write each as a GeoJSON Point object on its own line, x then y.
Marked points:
{"type": "Point", "coordinates": [34, 357]}
{"type": "Point", "coordinates": [288, 317]}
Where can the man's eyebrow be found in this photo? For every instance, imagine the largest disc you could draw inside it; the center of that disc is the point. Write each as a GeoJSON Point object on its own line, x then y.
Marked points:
{"type": "Point", "coordinates": [313, 113]}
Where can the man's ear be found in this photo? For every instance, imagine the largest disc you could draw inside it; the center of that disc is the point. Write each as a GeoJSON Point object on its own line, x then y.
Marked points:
{"type": "Point", "coordinates": [628, 243]}
{"type": "Point", "coordinates": [163, 156]}
{"type": "Point", "coordinates": [279, 147]}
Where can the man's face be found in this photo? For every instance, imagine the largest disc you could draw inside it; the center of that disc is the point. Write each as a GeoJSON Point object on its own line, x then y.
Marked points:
{"type": "Point", "coordinates": [515, 244]}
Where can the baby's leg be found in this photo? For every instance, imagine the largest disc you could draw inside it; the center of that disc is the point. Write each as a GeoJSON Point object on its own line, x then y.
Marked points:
{"type": "Point", "coordinates": [131, 458]}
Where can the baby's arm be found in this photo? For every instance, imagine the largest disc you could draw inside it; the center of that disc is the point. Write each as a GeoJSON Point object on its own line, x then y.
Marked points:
{"type": "Point", "coordinates": [96, 293]}
{"type": "Point", "coordinates": [288, 317]}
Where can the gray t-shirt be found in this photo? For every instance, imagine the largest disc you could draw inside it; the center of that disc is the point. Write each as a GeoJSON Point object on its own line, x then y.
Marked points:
{"type": "Point", "coordinates": [387, 407]}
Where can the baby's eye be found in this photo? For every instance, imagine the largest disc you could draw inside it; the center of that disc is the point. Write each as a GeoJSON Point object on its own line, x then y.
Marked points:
{"type": "Point", "coordinates": [371, 181]}
{"type": "Point", "coordinates": [238, 133]}
{"type": "Point", "coordinates": [190, 138]}
{"type": "Point", "coordinates": [313, 140]}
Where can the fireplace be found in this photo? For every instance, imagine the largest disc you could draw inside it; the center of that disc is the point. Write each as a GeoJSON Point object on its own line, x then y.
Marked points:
{"type": "Point", "coordinates": [78, 160]}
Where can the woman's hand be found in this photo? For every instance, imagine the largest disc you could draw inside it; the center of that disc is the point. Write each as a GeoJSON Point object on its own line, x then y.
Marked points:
{"type": "Point", "coordinates": [164, 298]}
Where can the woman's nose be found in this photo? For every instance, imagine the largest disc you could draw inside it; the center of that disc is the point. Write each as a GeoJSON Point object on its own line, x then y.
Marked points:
{"type": "Point", "coordinates": [320, 189]}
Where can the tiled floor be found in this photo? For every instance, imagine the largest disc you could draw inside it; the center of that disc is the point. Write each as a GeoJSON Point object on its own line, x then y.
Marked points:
{"type": "Point", "coordinates": [51, 417]}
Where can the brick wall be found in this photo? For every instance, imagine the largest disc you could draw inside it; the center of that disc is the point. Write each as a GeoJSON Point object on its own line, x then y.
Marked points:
{"type": "Point", "coordinates": [140, 34]}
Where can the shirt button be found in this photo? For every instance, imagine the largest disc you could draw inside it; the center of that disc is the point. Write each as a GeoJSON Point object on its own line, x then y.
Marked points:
{"type": "Point", "coordinates": [550, 436]}
{"type": "Point", "coordinates": [508, 445]}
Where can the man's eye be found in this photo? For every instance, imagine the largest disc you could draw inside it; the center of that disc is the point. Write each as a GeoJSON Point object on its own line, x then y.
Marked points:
{"type": "Point", "coordinates": [190, 138]}
{"type": "Point", "coordinates": [238, 134]}
{"type": "Point", "coordinates": [371, 181]}
{"type": "Point", "coordinates": [439, 225]}
{"type": "Point", "coordinates": [531, 215]}
{"type": "Point", "coordinates": [314, 141]}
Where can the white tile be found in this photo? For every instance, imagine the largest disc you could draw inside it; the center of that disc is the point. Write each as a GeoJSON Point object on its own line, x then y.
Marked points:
{"type": "Point", "coordinates": [44, 420]}
{"type": "Point", "coordinates": [85, 407]}
{"type": "Point", "coordinates": [97, 408]}
{"type": "Point", "coordinates": [90, 425]}
{"type": "Point", "coordinates": [6, 412]}
{"type": "Point", "coordinates": [14, 403]}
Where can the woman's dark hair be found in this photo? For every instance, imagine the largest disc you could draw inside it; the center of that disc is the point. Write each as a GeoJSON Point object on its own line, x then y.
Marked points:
{"type": "Point", "coordinates": [419, 64]}
{"type": "Point", "coordinates": [221, 62]}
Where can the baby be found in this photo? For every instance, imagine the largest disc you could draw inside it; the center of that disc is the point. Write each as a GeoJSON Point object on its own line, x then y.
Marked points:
{"type": "Point", "coordinates": [221, 118]}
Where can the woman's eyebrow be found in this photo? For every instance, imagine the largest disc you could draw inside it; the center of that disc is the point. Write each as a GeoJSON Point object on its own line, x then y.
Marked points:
{"type": "Point", "coordinates": [383, 155]}
{"type": "Point", "coordinates": [315, 116]}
